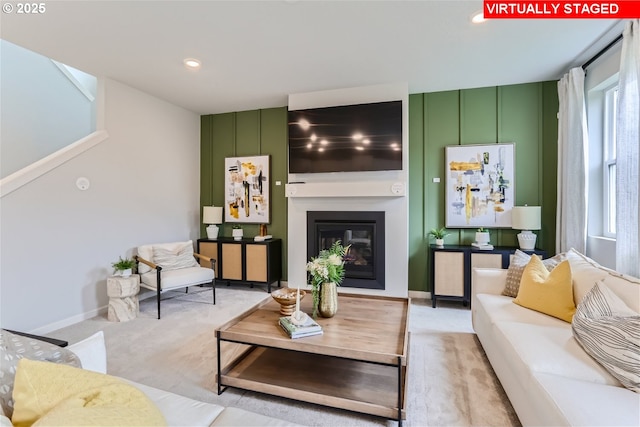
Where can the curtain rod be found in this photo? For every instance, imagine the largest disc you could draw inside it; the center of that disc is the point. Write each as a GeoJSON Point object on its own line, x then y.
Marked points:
{"type": "Point", "coordinates": [599, 54]}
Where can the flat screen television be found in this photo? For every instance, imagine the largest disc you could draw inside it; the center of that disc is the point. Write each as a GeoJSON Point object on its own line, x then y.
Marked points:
{"type": "Point", "coordinates": [349, 138]}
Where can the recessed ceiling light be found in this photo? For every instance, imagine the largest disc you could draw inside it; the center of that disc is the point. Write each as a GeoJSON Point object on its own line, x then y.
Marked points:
{"type": "Point", "coordinates": [478, 17]}
{"type": "Point", "coordinates": [191, 63]}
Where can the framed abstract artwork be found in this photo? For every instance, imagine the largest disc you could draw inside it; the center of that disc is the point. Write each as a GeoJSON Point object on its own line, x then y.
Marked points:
{"type": "Point", "coordinates": [480, 182]}
{"type": "Point", "coordinates": [246, 183]}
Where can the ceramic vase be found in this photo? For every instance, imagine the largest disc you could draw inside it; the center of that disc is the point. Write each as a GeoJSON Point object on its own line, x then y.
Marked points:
{"type": "Point", "coordinates": [440, 242]}
{"type": "Point", "coordinates": [328, 304]}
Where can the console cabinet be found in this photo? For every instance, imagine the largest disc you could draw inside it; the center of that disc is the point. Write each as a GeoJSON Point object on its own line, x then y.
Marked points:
{"type": "Point", "coordinates": [244, 261]}
{"type": "Point", "coordinates": [452, 265]}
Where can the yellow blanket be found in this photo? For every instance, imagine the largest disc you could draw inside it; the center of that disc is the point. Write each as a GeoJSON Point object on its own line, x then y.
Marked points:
{"type": "Point", "coordinates": [49, 394]}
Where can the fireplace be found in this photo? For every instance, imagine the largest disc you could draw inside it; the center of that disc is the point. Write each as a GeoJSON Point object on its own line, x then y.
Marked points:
{"type": "Point", "coordinates": [363, 231]}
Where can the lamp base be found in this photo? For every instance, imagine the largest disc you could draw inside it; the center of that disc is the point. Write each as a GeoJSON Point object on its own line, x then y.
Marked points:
{"type": "Point", "coordinates": [212, 231]}
{"type": "Point", "coordinates": [527, 240]}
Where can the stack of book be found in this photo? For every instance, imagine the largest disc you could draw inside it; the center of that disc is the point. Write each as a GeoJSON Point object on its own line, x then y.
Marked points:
{"type": "Point", "coordinates": [309, 328]}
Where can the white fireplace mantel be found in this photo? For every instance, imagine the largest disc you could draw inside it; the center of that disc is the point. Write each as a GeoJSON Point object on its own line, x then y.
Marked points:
{"type": "Point", "coordinates": [347, 189]}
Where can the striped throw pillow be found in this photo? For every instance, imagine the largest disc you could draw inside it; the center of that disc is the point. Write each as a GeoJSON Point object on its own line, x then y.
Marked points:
{"type": "Point", "coordinates": [609, 331]}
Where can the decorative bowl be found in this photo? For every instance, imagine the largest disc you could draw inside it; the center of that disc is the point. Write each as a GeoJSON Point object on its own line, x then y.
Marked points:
{"type": "Point", "coordinates": [286, 297]}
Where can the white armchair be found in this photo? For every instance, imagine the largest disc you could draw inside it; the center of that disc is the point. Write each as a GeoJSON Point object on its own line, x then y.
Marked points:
{"type": "Point", "coordinates": [168, 266]}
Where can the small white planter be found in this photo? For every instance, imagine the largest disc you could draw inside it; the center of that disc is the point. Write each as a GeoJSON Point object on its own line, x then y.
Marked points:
{"type": "Point", "coordinates": [482, 237]}
{"type": "Point", "coordinates": [237, 233]}
{"type": "Point", "coordinates": [125, 273]}
{"type": "Point", "coordinates": [439, 242]}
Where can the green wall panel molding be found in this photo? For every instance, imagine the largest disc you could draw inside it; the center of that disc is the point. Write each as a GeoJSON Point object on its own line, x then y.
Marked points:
{"type": "Point", "coordinates": [273, 137]}
{"type": "Point", "coordinates": [246, 133]}
{"type": "Point", "coordinates": [417, 233]}
{"type": "Point", "coordinates": [549, 166]}
{"type": "Point", "coordinates": [524, 114]}
{"type": "Point", "coordinates": [479, 116]}
{"type": "Point", "coordinates": [247, 141]}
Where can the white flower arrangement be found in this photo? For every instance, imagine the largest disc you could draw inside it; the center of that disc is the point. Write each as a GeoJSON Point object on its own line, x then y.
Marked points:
{"type": "Point", "coordinates": [327, 267]}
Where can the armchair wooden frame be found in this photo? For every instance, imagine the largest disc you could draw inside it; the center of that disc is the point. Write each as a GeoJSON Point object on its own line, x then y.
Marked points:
{"type": "Point", "coordinates": [158, 270]}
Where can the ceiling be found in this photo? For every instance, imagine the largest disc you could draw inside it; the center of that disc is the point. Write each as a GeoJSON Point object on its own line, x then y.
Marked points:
{"type": "Point", "coordinates": [255, 53]}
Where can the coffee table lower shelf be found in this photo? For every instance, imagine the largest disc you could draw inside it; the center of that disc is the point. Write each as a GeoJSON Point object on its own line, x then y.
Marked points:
{"type": "Point", "coordinates": [354, 385]}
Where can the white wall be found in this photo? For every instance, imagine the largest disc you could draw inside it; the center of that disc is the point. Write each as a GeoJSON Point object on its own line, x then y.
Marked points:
{"type": "Point", "coordinates": [42, 110]}
{"type": "Point", "coordinates": [58, 242]}
{"type": "Point", "coordinates": [372, 184]}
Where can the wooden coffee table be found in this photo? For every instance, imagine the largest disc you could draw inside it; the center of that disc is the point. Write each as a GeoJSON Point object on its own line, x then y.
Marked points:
{"type": "Point", "coordinates": [359, 363]}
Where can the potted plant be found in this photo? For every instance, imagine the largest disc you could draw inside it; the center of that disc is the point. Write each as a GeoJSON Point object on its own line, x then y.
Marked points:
{"type": "Point", "coordinates": [237, 232]}
{"type": "Point", "coordinates": [439, 235]}
{"type": "Point", "coordinates": [482, 236]}
{"type": "Point", "coordinates": [123, 267]}
{"type": "Point", "coordinates": [327, 272]}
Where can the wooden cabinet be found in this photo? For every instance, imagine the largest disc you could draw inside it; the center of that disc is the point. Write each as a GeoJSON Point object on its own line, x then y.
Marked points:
{"type": "Point", "coordinates": [209, 248]}
{"type": "Point", "coordinates": [448, 273]}
{"type": "Point", "coordinates": [451, 268]}
{"type": "Point", "coordinates": [245, 260]}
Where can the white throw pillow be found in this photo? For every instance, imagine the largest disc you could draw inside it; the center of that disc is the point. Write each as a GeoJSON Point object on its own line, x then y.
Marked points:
{"type": "Point", "coordinates": [175, 258]}
{"type": "Point", "coordinates": [609, 331]}
{"type": "Point", "coordinates": [92, 352]}
{"type": "Point", "coordinates": [586, 272]}
{"type": "Point", "coordinates": [148, 252]}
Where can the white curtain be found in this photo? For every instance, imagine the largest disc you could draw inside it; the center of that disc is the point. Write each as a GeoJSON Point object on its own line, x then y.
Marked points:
{"type": "Point", "coordinates": [571, 216]}
{"type": "Point", "coordinates": [627, 157]}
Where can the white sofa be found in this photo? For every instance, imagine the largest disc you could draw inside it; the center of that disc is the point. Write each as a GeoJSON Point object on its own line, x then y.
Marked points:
{"type": "Point", "coordinates": [548, 377]}
{"type": "Point", "coordinates": [177, 410]}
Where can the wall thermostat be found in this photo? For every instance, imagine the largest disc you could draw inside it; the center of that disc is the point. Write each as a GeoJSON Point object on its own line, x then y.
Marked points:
{"type": "Point", "coordinates": [397, 188]}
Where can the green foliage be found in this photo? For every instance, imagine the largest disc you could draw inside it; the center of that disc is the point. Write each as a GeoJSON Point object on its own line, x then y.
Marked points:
{"type": "Point", "coordinates": [438, 233]}
{"type": "Point", "coordinates": [328, 266]}
{"type": "Point", "coordinates": [123, 264]}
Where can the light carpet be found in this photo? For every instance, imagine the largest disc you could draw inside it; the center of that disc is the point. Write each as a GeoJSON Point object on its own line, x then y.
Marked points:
{"type": "Point", "coordinates": [450, 381]}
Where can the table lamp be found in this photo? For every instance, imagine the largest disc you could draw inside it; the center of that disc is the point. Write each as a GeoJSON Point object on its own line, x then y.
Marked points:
{"type": "Point", "coordinates": [212, 215]}
{"type": "Point", "coordinates": [526, 218]}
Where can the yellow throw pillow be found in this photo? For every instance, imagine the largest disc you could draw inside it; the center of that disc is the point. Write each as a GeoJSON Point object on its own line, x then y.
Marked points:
{"type": "Point", "coordinates": [50, 394]}
{"type": "Point", "coordinates": [547, 292]}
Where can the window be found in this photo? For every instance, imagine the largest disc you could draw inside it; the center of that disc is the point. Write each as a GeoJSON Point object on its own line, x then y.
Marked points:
{"type": "Point", "coordinates": [609, 161]}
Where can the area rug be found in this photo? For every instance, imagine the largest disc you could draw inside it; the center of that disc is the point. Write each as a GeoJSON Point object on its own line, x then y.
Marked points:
{"type": "Point", "coordinates": [450, 381]}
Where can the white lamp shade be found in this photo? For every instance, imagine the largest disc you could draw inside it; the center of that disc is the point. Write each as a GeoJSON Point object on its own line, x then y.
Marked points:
{"type": "Point", "coordinates": [525, 217]}
{"type": "Point", "coordinates": [212, 215]}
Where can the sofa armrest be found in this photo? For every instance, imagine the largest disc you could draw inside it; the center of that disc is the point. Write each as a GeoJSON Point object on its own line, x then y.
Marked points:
{"type": "Point", "coordinates": [54, 341]}
{"type": "Point", "coordinates": [488, 281]}
{"type": "Point", "coordinates": [92, 352]}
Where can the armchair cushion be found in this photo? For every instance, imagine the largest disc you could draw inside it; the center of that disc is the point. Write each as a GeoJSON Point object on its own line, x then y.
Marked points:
{"type": "Point", "coordinates": [172, 279]}
{"type": "Point", "coordinates": [148, 252]}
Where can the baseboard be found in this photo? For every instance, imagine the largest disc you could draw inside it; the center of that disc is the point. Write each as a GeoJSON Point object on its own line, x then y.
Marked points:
{"type": "Point", "coordinates": [101, 310]}
{"type": "Point", "coordinates": [68, 321]}
{"type": "Point", "coordinates": [419, 294]}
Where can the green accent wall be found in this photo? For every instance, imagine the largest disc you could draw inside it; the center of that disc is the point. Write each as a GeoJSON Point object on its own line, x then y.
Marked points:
{"type": "Point", "coordinates": [245, 133]}
{"type": "Point", "coordinates": [525, 114]}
